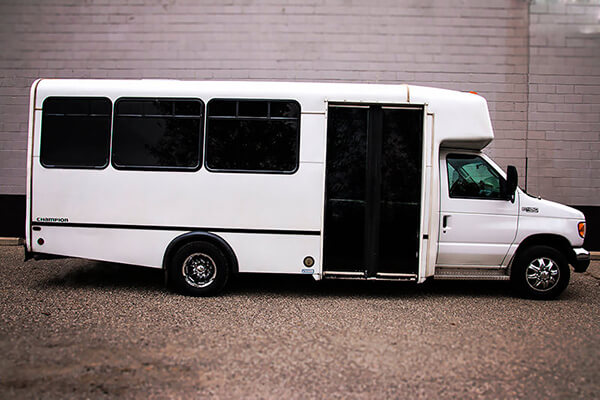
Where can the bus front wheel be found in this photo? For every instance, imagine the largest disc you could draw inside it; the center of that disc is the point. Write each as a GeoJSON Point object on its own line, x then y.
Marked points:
{"type": "Point", "coordinates": [540, 272]}
{"type": "Point", "coordinates": [198, 269]}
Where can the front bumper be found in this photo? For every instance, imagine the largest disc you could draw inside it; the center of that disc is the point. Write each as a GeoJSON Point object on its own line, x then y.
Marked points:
{"type": "Point", "coordinates": [581, 259]}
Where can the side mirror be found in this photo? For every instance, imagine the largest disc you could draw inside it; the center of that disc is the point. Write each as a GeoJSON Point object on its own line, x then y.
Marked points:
{"type": "Point", "coordinates": [512, 179]}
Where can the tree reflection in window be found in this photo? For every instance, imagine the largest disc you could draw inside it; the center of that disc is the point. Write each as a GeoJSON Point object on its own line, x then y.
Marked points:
{"type": "Point", "coordinates": [157, 134]}
{"type": "Point", "coordinates": [75, 132]}
{"type": "Point", "coordinates": [253, 135]}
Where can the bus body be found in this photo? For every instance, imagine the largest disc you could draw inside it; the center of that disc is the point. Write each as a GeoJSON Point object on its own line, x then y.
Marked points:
{"type": "Point", "coordinates": [335, 180]}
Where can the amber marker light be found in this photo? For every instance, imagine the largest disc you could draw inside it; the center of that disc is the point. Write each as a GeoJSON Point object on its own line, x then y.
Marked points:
{"type": "Point", "coordinates": [581, 229]}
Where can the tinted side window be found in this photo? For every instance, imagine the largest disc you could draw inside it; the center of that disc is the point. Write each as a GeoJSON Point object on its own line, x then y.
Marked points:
{"type": "Point", "coordinates": [253, 135]}
{"type": "Point", "coordinates": [471, 177]}
{"type": "Point", "coordinates": [75, 132]}
{"type": "Point", "coordinates": [157, 134]}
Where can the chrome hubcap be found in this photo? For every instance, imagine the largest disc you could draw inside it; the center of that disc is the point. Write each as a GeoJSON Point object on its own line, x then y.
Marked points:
{"type": "Point", "coordinates": [542, 274]}
{"type": "Point", "coordinates": [199, 270]}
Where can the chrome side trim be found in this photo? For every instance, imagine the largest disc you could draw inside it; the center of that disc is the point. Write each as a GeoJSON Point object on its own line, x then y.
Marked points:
{"type": "Point", "coordinates": [469, 267]}
{"type": "Point", "coordinates": [472, 277]}
{"type": "Point", "coordinates": [394, 275]}
{"type": "Point", "coordinates": [346, 273]}
{"type": "Point", "coordinates": [412, 278]}
{"type": "Point", "coordinates": [345, 277]}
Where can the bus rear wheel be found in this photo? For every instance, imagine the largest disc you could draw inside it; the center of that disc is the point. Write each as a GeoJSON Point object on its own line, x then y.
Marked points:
{"type": "Point", "coordinates": [540, 272]}
{"type": "Point", "coordinates": [198, 269]}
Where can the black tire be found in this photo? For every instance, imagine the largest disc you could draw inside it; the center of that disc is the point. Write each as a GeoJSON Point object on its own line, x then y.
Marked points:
{"type": "Point", "coordinates": [198, 269]}
{"type": "Point", "coordinates": [540, 272]}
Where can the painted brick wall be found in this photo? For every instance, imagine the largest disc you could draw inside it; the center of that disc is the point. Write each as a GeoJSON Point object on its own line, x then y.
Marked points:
{"type": "Point", "coordinates": [476, 45]}
{"type": "Point", "coordinates": [564, 101]}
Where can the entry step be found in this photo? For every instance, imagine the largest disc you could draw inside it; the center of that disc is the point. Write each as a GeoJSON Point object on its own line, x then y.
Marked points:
{"type": "Point", "coordinates": [496, 274]}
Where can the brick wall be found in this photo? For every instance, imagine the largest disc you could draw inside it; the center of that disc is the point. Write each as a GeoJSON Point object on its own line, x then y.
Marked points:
{"type": "Point", "coordinates": [476, 45]}
{"type": "Point", "coordinates": [537, 62]}
{"type": "Point", "coordinates": [564, 101]}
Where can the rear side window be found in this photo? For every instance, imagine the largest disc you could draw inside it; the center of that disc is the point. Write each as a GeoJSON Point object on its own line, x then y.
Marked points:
{"type": "Point", "coordinates": [253, 136]}
{"type": "Point", "coordinates": [75, 132]}
{"type": "Point", "coordinates": [157, 134]}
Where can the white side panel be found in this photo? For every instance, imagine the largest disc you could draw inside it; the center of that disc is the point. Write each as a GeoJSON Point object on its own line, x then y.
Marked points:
{"type": "Point", "coordinates": [274, 253]}
{"type": "Point", "coordinates": [128, 246]}
{"type": "Point", "coordinates": [548, 217]}
{"type": "Point", "coordinates": [311, 141]}
{"type": "Point", "coordinates": [472, 254]}
{"type": "Point", "coordinates": [491, 228]}
{"type": "Point", "coordinates": [194, 199]}
{"type": "Point", "coordinates": [565, 227]}
{"type": "Point", "coordinates": [255, 252]}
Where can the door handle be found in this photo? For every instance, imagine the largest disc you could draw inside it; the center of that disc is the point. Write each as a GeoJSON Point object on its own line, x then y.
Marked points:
{"type": "Point", "coordinates": [445, 221]}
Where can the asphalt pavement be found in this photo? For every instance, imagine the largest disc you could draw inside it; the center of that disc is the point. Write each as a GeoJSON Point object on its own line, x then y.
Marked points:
{"type": "Point", "coordinates": [83, 329]}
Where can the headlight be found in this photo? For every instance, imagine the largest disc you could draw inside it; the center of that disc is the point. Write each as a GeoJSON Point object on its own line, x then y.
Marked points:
{"type": "Point", "coordinates": [581, 229]}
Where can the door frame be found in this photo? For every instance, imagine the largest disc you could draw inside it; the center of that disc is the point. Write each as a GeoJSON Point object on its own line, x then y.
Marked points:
{"type": "Point", "coordinates": [371, 272]}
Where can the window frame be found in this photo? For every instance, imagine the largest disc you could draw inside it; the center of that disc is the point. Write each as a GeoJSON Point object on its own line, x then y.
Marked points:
{"type": "Point", "coordinates": [201, 134]}
{"type": "Point", "coordinates": [502, 180]}
{"type": "Point", "coordinates": [248, 118]}
{"type": "Point", "coordinates": [109, 142]}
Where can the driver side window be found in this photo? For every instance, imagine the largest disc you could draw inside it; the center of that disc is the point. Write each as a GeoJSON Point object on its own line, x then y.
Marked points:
{"type": "Point", "coordinates": [469, 176]}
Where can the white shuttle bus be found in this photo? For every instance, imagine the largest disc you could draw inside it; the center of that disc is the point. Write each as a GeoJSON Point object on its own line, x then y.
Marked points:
{"type": "Point", "coordinates": [353, 181]}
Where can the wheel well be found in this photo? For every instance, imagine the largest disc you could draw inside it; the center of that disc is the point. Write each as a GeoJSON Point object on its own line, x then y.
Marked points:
{"type": "Point", "coordinates": [208, 237]}
{"type": "Point", "coordinates": [557, 242]}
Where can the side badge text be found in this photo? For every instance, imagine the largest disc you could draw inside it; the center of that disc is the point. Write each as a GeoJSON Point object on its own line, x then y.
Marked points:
{"type": "Point", "coordinates": [52, 219]}
{"type": "Point", "coordinates": [530, 209]}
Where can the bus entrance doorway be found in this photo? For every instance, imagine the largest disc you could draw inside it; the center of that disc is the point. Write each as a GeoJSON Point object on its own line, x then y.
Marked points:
{"type": "Point", "coordinates": [373, 191]}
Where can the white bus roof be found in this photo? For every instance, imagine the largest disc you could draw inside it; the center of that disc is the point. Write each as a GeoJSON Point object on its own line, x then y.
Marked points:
{"type": "Point", "coordinates": [459, 119]}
